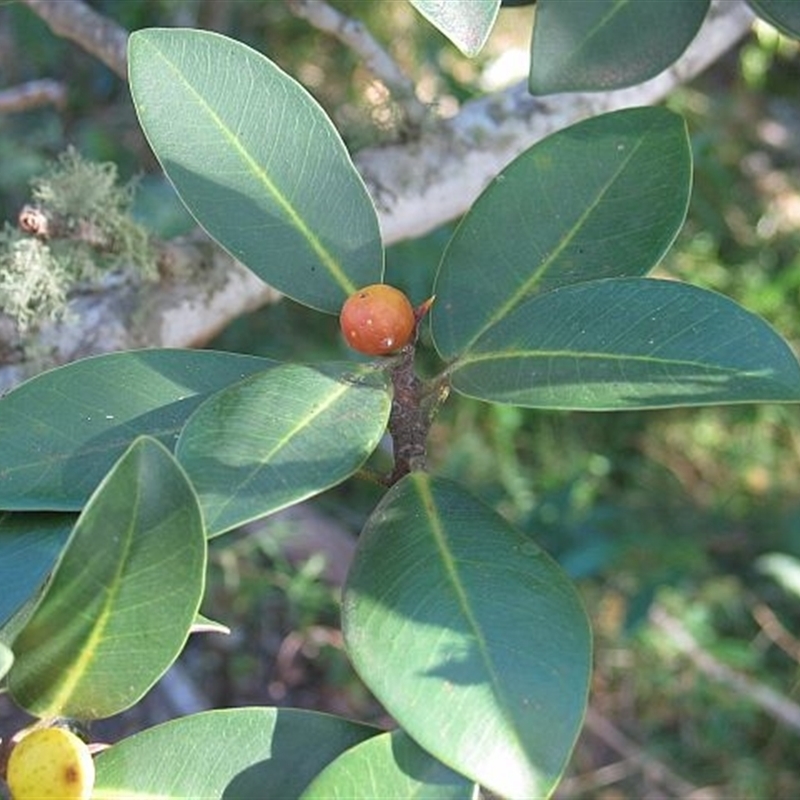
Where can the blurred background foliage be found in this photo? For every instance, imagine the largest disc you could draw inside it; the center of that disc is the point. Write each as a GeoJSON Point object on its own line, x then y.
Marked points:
{"type": "Point", "coordinates": [687, 518]}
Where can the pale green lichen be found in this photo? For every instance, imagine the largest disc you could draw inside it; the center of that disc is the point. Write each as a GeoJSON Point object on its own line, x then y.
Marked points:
{"type": "Point", "coordinates": [33, 285]}
{"type": "Point", "coordinates": [98, 235]}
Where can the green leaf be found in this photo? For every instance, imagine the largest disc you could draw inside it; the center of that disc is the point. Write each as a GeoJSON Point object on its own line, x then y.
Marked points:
{"type": "Point", "coordinates": [123, 596]}
{"type": "Point", "coordinates": [29, 547]}
{"type": "Point", "coordinates": [470, 635]}
{"type": "Point", "coordinates": [388, 766]}
{"type": "Point", "coordinates": [597, 45]}
{"type": "Point", "coordinates": [238, 753]}
{"type": "Point", "coordinates": [257, 162]}
{"type": "Point", "coordinates": [600, 199]}
{"type": "Point", "coordinates": [61, 431]}
{"type": "Point", "coordinates": [6, 660]}
{"type": "Point", "coordinates": [277, 438]}
{"type": "Point", "coordinates": [466, 23]}
{"type": "Point", "coordinates": [782, 14]}
{"type": "Point", "coordinates": [629, 343]}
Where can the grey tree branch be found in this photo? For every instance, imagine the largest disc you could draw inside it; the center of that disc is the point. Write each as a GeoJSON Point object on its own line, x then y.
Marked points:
{"type": "Point", "coordinates": [96, 34]}
{"type": "Point", "coordinates": [417, 186]}
{"type": "Point", "coordinates": [355, 35]}
{"type": "Point", "coordinates": [32, 95]}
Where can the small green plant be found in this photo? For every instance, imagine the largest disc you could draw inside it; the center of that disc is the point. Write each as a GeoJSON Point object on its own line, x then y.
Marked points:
{"type": "Point", "coordinates": [115, 471]}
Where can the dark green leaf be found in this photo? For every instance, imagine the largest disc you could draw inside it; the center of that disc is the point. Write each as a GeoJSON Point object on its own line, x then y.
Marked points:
{"type": "Point", "coordinates": [257, 162]}
{"type": "Point", "coordinates": [466, 23]}
{"type": "Point", "coordinates": [388, 766]}
{"type": "Point", "coordinates": [61, 431]}
{"type": "Point", "coordinates": [238, 754]}
{"type": "Point", "coordinates": [597, 45]}
{"type": "Point", "coordinates": [277, 438]}
{"type": "Point", "coordinates": [783, 14]}
{"type": "Point", "coordinates": [123, 596]}
{"type": "Point", "coordinates": [29, 547]}
{"type": "Point", "coordinates": [471, 636]}
{"type": "Point", "coordinates": [603, 198]}
{"type": "Point", "coordinates": [629, 343]}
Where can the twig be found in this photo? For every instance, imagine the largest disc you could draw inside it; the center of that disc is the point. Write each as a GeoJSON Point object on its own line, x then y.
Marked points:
{"type": "Point", "coordinates": [355, 35]}
{"type": "Point", "coordinates": [32, 95]}
{"type": "Point", "coordinates": [777, 705]}
{"type": "Point", "coordinates": [633, 753]}
{"type": "Point", "coordinates": [96, 34]}
{"type": "Point", "coordinates": [44, 224]}
{"type": "Point", "coordinates": [417, 186]}
{"type": "Point", "coordinates": [775, 631]}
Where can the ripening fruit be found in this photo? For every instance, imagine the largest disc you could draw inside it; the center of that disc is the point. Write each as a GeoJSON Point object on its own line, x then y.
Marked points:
{"type": "Point", "coordinates": [50, 763]}
{"type": "Point", "coordinates": [378, 320]}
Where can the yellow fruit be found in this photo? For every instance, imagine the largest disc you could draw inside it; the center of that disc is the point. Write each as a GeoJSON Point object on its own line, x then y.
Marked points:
{"type": "Point", "coordinates": [50, 763]}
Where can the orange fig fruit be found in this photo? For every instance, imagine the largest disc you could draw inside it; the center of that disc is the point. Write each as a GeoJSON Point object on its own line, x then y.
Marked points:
{"type": "Point", "coordinates": [378, 320]}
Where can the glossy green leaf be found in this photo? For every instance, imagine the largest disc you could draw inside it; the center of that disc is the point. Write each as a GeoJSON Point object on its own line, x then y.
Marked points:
{"type": "Point", "coordinates": [470, 635]}
{"type": "Point", "coordinates": [782, 14]}
{"type": "Point", "coordinates": [466, 23]}
{"type": "Point", "coordinates": [597, 45]}
{"type": "Point", "coordinates": [61, 431]}
{"type": "Point", "coordinates": [123, 596]}
{"type": "Point", "coordinates": [390, 766]}
{"type": "Point", "coordinates": [277, 438]}
{"type": "Point", "coordinates": [29, 547]}
{"type": "Point", "coordinates": [629, 343]}
{"type": "Point", "coordinates": [238, 753]}
{"type": "Point", "coordinates": [257, 162]}
{"type": "Point", "coordinates": [603, 198]}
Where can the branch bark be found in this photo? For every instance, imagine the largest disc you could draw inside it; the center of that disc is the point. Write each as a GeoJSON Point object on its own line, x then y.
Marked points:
{"type": "Point", "coordinates": [417, 185]}
{"type": "Point", "coordinates": [96, 34]}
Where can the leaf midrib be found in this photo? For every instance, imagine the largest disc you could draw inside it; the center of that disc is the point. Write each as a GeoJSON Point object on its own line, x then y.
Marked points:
{"type": "Point", "coordinates": [327, 259]}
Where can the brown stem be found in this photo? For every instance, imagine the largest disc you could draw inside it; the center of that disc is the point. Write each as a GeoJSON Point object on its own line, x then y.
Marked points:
{"type": "Point", "coordinates": [407, 422]}
{"type": "Point", "coordinates": [414, 405]}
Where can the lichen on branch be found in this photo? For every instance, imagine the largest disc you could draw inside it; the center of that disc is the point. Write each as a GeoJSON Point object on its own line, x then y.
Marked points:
{"type": "Point", "coordinates": [78, 228]}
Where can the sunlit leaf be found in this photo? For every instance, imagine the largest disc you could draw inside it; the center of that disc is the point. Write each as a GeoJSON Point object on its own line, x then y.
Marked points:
{"type": "Point", "coordinates": [389, 766]}
{"type": "Point", "coordinates": [470, 635]}
{"type": "Point", "coordinates": [466, 23]}
{"type": "Point", "coordinates": [629, 343]}
{"type": "Point", "coordinates": [243, 753]}
{"type": "Point", "coordinates": [277, 438]}
{"type": "Point", "coordinates": [600, 199]}
{"type": "Point", "coordinates": [61, 431]}
{"type": "Point", "coordinates": [123, 596]}
{"type": "Point", "coordinates": [257, 162]}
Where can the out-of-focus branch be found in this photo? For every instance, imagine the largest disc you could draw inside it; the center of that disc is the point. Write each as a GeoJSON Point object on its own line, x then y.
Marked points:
{"type": "Point", "coordinates": [32, 95]}
{"type": "Point", "coordinates": [355, 35]}
{"type": "Point", "coordinates": [420, 185]}
{"type": "Point", "coordinates": [96, 34]}
{"type": "Point", "coordinates": [778, 706]}
{"type": "Point", "coordinates": [636, 759]}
